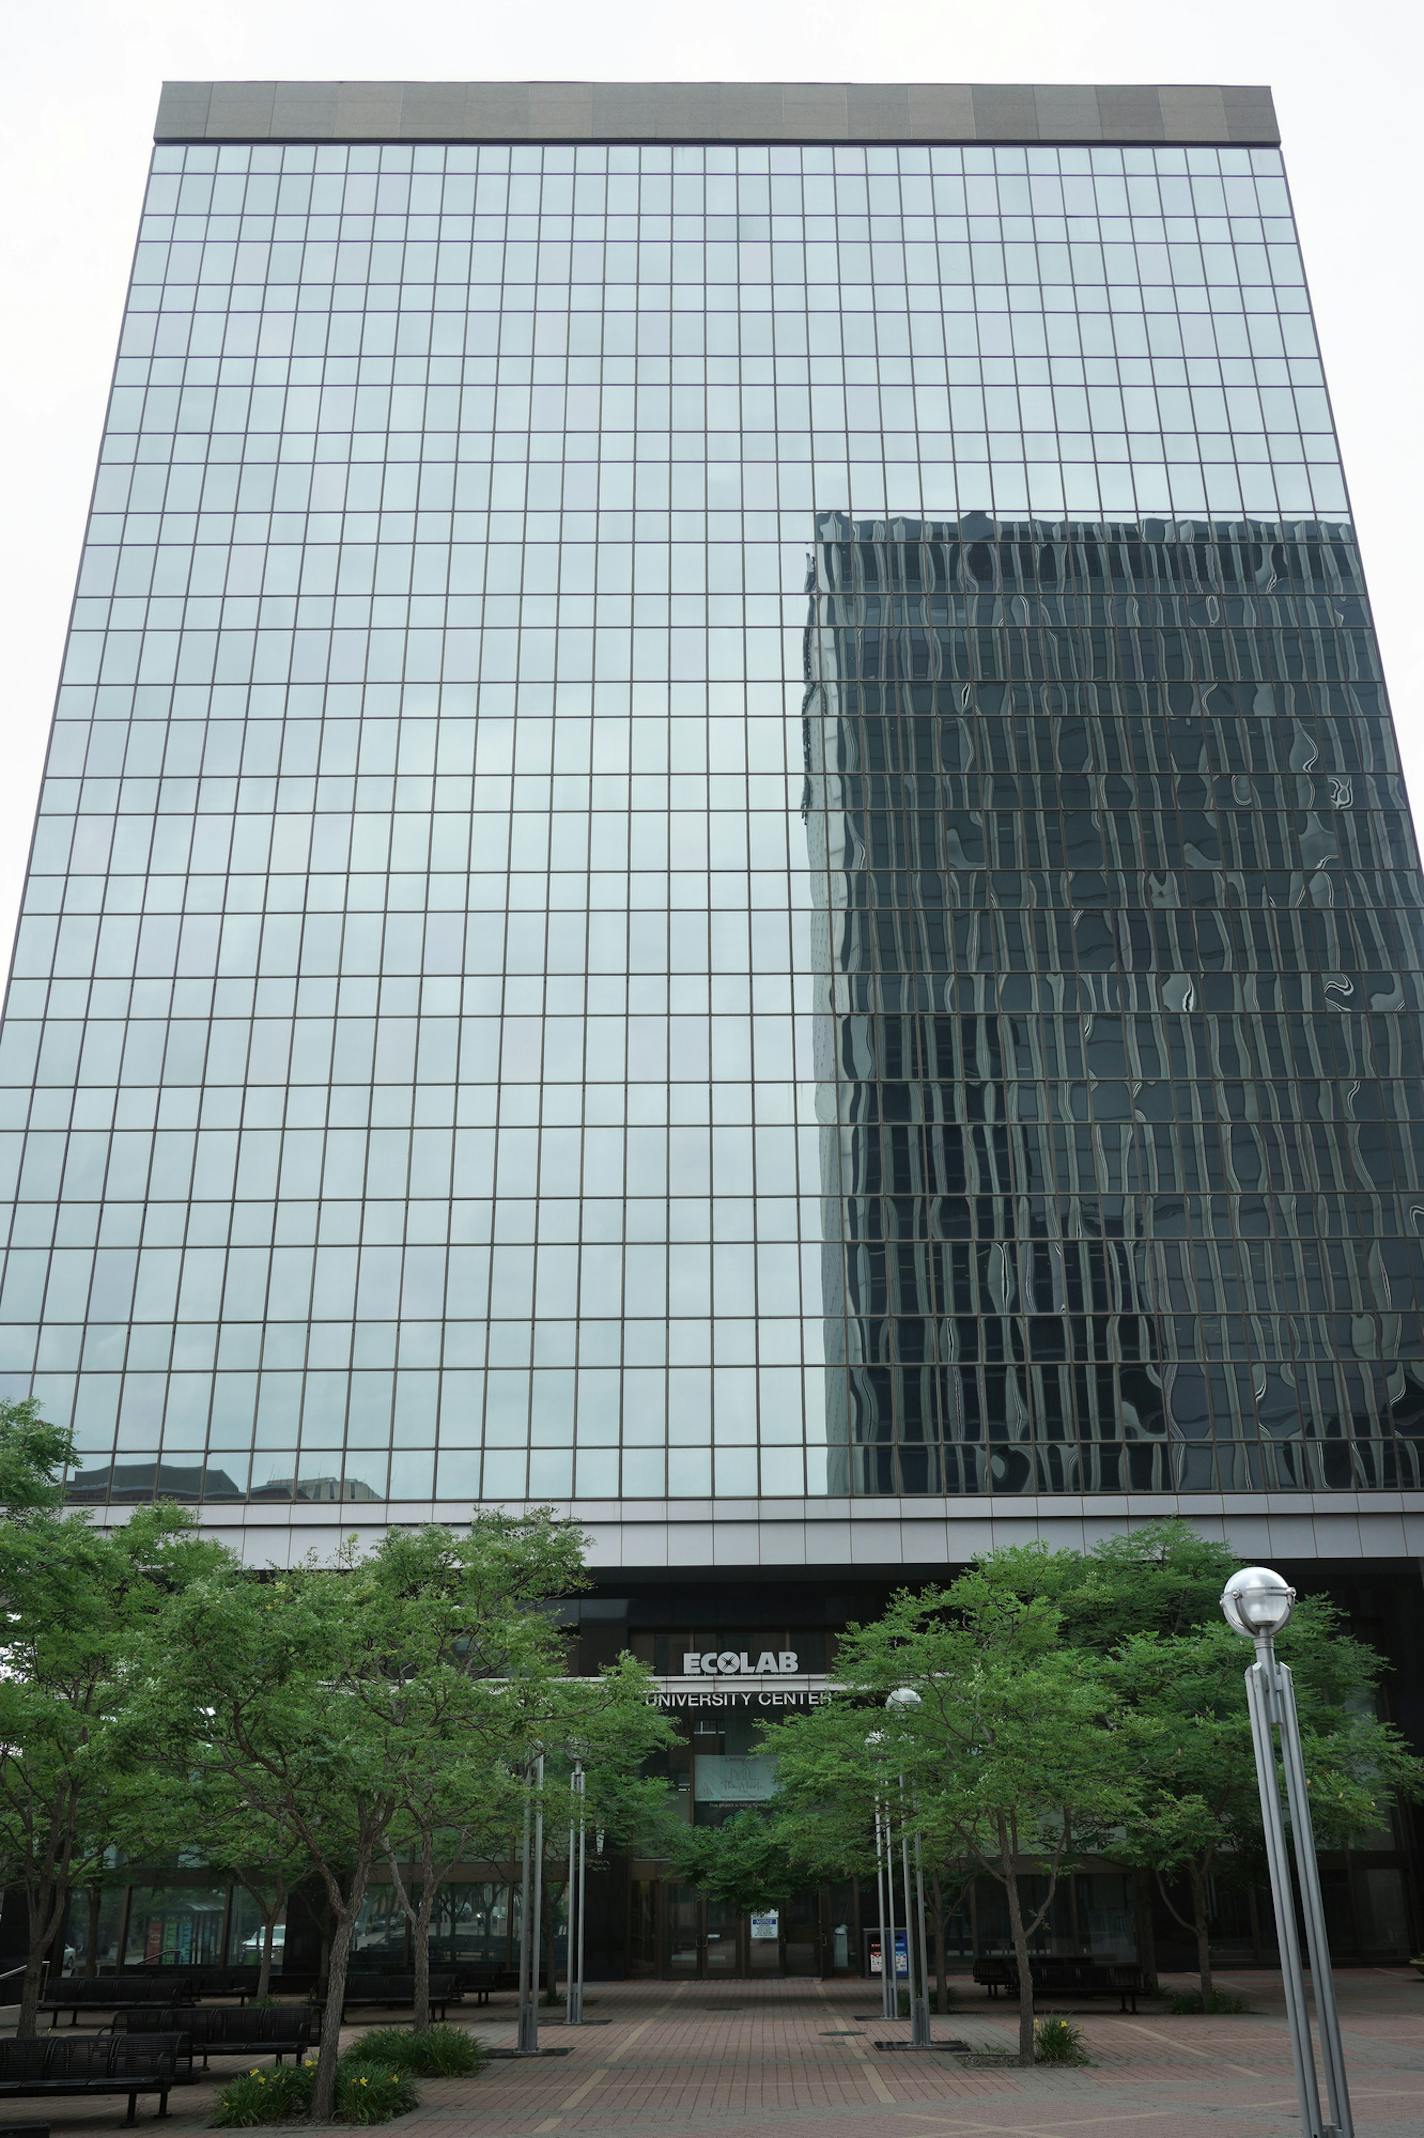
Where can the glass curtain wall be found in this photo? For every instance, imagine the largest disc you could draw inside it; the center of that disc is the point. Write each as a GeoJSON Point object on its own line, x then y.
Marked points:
{"type": "Point", "coordinates": [416, 1064]}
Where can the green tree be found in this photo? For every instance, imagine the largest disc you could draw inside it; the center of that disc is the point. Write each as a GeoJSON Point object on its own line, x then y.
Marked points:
{"type": "Point", "coordinates": [77, 1599]}
{"type": "Point", "coordinates": [1012, 1761]}
{"type": "Point", "coordinates": [242, 1839]}
{"type": "Point", "coordinates": [253, 1688]}
{"type": "Point", "coordinates": [610, 1724]}
{"type": "Point", "coordinates": [1147, 1604]}
{"type": "Point", "coordinates": [746, 1862]}
{"type": "Point", "coordinates": [480, 1666]}
{"type": "Point", "coordinates": [314, 1694]}
{"type": "Point", "coordinates": [1180, 1670]}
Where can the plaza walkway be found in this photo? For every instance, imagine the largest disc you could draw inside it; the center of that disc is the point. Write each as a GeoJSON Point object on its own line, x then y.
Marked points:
{"type": "Point", "coordinates": [760, 2060]}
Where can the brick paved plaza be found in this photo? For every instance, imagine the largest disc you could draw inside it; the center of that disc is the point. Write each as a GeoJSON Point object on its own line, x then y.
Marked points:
{"type": "Point", "coordinates": [757, 2059]}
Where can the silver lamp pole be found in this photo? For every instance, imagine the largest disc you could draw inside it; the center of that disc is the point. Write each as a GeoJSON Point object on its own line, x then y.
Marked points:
{"type": "Point", "coordinates": [1257, 1603]}
{"type": "Point", "coordinates": [530, 1905]}
{"type": "Point", "coordinates": [883, 1858]}
{"type": "Point", "coordinates": [574, 1913]}
{"type": "Point", "coordinates": [904, 1701]}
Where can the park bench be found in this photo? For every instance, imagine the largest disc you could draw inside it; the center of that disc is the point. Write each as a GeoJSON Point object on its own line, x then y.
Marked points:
{"type": "Point", "coordinates": [477, 1978]}
{"type": "Point", "coordinates": [367, 1989]}
{"type": "Point", "coordinates": [1063, 1975]}
{"type": "Point", "coordinates": [102, 1993]}
{"type": "Point", "coordinates": [185, 1983]}
{"type": "Point", "coordinates": [94, 2063]}
{"type": "Point", "coordinates": [228, 2030]}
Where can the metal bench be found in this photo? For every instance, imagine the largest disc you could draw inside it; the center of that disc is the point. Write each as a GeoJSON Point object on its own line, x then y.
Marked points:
{"type": "Point", "coordinates": [372, 1990]}
{"type": "Point", "coordinates": [185, 1983]}
{"type": "Point", "coordinates": [227, 2030]}
{"type": "Point", "coordinates": [94, 2064]}
{"type": "Point", "coordinates": [103, 1993]}
{"type": "Point", "coordinates": [1063, 1975]}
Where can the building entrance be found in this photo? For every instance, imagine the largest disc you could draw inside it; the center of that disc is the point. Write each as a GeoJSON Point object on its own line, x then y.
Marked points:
{"type": "Point", "coordinates": [706, 1938]}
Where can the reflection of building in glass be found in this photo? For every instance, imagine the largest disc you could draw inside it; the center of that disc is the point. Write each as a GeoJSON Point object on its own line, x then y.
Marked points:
{"type": "Point", "coordinates": [1118, 954]}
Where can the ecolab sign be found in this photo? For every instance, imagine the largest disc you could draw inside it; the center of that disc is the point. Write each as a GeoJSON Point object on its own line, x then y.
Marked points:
{"type": "Point", "coordinates": [729, 1663]}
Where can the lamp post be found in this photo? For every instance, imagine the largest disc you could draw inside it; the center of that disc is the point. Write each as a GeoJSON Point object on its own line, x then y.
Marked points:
{"type": "Point", "coordinates": [531, 1907]}
{"type": "Point", "coordinates": [904, 1701]}
{"type": "Point", "coordinates": [883, 1886]}
{"type": "Point", "coordinates": [574, 1912]}
{"type": "Point", "coordinates": [1257, 1603]}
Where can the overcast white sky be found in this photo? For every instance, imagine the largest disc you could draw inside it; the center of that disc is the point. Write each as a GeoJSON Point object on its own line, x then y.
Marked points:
{"type": "Point", "coordinates": [84, 78]}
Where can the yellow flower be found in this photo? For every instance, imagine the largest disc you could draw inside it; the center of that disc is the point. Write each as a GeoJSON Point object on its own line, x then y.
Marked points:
{"type": "Point", "coordinates": [363, 2082]}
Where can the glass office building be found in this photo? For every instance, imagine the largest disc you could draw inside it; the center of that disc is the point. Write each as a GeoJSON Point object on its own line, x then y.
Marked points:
{"type": "Point", "coordinates": [723, 845]}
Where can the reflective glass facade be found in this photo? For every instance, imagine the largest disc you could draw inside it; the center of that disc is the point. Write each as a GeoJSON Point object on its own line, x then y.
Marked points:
{"type": "Point", "coordinates": [518, 996]}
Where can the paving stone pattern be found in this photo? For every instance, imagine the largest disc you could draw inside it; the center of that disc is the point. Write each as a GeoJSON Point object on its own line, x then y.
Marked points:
{"type": "Point", "coordinates": [755, 2060]}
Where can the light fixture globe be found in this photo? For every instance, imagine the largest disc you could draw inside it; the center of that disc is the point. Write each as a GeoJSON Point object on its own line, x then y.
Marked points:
{"type": "Point", "coordinates": [904, 1700]}
{"type": "Point", "coordinates": [1257, 1602]}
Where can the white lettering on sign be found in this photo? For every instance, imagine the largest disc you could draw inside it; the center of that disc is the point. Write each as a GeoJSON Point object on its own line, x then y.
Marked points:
{"type": "Point", "coordinates": [737, 1663]}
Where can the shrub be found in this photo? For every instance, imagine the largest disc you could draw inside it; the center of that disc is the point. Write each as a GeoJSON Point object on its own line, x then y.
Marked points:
{"type": "Point", "coordinates": [366, 2092]}
{"type": "Point", "coordinates": [1058, 2041]}
{"type": "Point", "coordinates": [1220, 2001]}
{"type": "Point", "coordinates": [372, 2093]}
{"type": "Point", "coordinates": [281, 2095]}
{"type": "Point", "coordinates": [441, 2052]}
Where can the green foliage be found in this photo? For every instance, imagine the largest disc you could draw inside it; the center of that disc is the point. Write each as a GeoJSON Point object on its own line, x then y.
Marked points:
{"type": "Point", "coordinates": [1219, 2002]}
{"type": "Point", "coordinates": [280, 2095]}
{"type": "Point", "coordinates": [372, 2093]}
{"type": "Point", "coordinates": [1011, 1762]}
{"type": "Point", "coordinates": [1058, 2041]}
{"type": "Point", "coordinates": [33, 1458]}
{"type": "Point", "coordinates": [366, 2092]}
{"type": "Point", "coordinates": [359, 1706]}
{"type": "Point", "coordinates": [745, 1862]}
{"type": "Point", "coordinates": [444, 2052]}
{"type": "Point", "coordinates": [78, 1602]}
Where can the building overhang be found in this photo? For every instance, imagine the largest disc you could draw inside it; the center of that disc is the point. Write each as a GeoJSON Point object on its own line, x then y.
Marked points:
{"type": "Point", "coordinates": [689, 1538]}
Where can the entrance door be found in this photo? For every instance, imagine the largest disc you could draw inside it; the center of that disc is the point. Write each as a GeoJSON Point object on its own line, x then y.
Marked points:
{"type": "Point", "coordinates": [721, 1939]}
{"type": "Point", "coordinates": [711, 1940]}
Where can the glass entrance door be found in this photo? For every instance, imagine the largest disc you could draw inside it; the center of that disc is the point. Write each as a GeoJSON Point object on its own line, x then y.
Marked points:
{"type": "Point", "coordinates": [722, 1939]}
{"type": "Point", "coordinates": [711, 1940]}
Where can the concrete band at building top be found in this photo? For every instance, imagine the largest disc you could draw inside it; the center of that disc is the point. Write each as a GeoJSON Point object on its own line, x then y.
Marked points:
{"type": "Point", "coordinates": [712, 111]}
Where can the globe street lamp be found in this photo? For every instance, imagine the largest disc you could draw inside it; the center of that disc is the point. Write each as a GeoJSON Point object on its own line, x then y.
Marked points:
{"type": "Point", "coordinates": [903, 1702]}
{"type": "Point", "coordinates": [884, 1885]}
{"type": "Point", "coordinates": [1258, 1603]}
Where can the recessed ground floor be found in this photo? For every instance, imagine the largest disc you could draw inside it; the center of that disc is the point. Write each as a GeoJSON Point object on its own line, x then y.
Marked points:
{"type": "Point", "coordinates": [728, 1650]}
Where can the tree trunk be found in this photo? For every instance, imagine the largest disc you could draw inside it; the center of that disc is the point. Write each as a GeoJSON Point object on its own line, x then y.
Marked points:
{"type": "Point", "coordinates": [941, 1973]}
{"type": "Point", "coordinates": [1202, 1925]}
{"type": "Point", "coordinates": [91, 1939]}
{"type": "Point", "coordinates": [421, 1925]}
{"type": "Point", "coordinates": [27, 2023]}
{"type": "Point", "coordinates": [264, 1965]}
{"type": "Point", "coordinates": [342, 1931]}
{"type": "Point", "coordinates": [1020, 1944]}
{"type": "Point", "coordinates": [46, 1916]}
